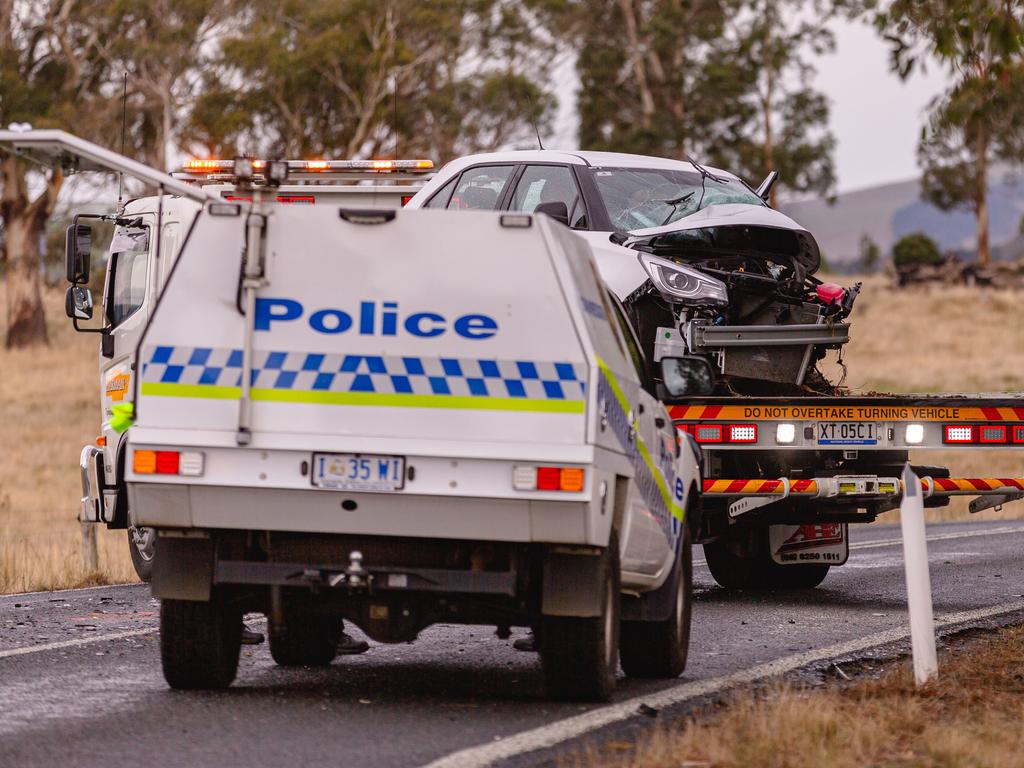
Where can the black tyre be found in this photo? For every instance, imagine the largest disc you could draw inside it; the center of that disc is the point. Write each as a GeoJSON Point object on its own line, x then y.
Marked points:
{"type": "Point", "coordinates": [305, 640]}
{"type": "Point", "coordinates": [142, 548]}
{"type": "Point", "coordinates": [659, 648]}
{"type": "Point", "coordinates": [733, 559]}
{"type": "Point", "coordinates": [775, 576]}
{"type": "Point", "coordinates": [199, 643]}
{"type": "Point", "coordinates": [579, 656]}
{"type": "Point", "coordinates": [742, 560]}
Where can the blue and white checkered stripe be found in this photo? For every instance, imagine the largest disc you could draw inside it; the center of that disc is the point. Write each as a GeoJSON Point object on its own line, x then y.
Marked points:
{"type": "Point", "coordinates": [315, 372]}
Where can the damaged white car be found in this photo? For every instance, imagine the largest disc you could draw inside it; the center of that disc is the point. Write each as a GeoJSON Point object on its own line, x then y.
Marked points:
{"type": "Point", "coordinates": [719, 285]}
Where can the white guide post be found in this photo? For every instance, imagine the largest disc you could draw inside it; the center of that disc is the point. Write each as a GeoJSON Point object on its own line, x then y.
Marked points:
{"type": "Point", "coordinates": [919, 587]}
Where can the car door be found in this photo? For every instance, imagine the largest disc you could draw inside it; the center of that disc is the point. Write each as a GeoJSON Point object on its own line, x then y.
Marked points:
{"type": "Point", "coordinates": [480, 188]}
{"type": "Point", "coordinates": [546, 183]}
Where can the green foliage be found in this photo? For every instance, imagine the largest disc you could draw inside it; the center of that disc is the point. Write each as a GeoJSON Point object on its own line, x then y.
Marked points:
{"type": "Point", "coordinates": [726, 81]}
{"type": "Point", "coordinates": [980, 119]}
{"type": "Point", "coordinates": [303, 78]}
{"type": "Point", "coordinates": [916, 248]}
{"type": "Point", "coordinates": [869, 253]}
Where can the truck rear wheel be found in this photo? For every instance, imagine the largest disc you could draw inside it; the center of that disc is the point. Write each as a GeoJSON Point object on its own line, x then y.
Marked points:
{"type": "Point", "coordinates": [199, 643]}
{"type": "Point", "coordinates": [741, 560]}
{"type": "Point", "coordinates": [659, 648]}
{"type": "Point", "coordinates": [305, 640]}
{"type": "Point", "coordinates": [580, 655]}
{"type": "Point", "coordinates": [732, 559]}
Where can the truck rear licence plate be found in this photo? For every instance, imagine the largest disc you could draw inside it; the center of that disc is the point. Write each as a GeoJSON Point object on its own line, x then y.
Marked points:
{"type": "Point", "coordinates": [847, 433]}
{"type": "Point", "coordinates": [358, 472]}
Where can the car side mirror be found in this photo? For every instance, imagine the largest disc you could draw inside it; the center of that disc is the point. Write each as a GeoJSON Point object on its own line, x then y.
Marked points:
{"type": "Point", "coordinates": [78, 303]}
{"type": "Point", "coordinates": [77, 250]}
{"type": "Point", "coordinates": [687, 376]}
{"type": "Point", "coordinates": [556, 209]}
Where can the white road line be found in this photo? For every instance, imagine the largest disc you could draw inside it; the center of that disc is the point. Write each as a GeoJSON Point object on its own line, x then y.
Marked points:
{"type": "Point", "coordinates": [573, 727]}
{"type": "Point", "coordinates": [94, 639]}
{"type": "Point", "coordinates": [76, 642]}
{"type": "Point", "coordinates": [934, 537]}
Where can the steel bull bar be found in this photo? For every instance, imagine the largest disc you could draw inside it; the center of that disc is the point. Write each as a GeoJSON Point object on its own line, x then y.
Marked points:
{"type": "Point", "coordinates": [753, 493]}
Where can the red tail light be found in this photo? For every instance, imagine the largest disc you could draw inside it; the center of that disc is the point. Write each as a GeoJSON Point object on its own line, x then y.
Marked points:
{"type": "Point", "coordinates": [708, 433]}
{"type": "Point", "coordinates": [406, 199]}
{"type": "Point", "coordinates": [296, 199]}
{"type": "Point", "coordinates": [1018, 434]}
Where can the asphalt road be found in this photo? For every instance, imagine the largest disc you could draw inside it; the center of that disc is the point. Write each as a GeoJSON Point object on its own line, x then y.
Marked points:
{"type": "Point", "coordinates": [80, 680]}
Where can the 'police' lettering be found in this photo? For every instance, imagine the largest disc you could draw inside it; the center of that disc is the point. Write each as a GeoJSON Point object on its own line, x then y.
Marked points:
{"type": "Point", "coordinates": [370, 320]}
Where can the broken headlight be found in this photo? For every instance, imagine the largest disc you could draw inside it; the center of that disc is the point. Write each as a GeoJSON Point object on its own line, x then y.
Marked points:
{"type": "Point", "coordinates": [684, 285]}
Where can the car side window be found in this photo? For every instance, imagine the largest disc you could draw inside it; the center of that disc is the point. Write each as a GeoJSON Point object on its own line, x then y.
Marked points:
{"type": "Point", "coordinates": [480, 189]}
{"type": "Point", "coordinates": [442, 196]}
{"type": "Point", "coordinates": [548, 184]}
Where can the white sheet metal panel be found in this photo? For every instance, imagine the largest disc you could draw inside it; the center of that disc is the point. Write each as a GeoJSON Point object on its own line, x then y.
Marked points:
{"type": "Point", "coordinates": [437, 324]}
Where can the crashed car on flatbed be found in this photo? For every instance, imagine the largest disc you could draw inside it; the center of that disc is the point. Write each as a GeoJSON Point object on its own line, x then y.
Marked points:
{"type": "Point", "coordinates": [721, 277]}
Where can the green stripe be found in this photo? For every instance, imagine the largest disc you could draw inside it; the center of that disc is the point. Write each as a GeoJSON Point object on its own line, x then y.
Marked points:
{"type": "Point", "coordinates": [375, 399]}
{"type": "Point", "coordinates": [659, 479]}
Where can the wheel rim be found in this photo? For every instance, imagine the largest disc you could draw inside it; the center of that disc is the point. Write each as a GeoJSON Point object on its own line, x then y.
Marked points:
{"type": "Point", "coordinates": [143, 541]}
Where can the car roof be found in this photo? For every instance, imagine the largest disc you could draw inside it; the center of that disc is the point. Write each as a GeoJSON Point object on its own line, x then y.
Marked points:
{"type": "Point", "coordinates": [577, 157]}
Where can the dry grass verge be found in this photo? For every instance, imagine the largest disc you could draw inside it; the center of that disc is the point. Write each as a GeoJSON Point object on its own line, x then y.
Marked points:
{"type": "Point", "coordinates": [969, 717]}
{"type": "Point", "coordinates": [49, 409]}
{"type": "Point", "coordinates": [926, 339]}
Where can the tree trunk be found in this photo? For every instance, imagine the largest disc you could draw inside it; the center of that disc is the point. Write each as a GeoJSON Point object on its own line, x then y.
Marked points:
{"type": "Point", "coordinates": [26, 323]}
{"type": "Point", "coordinates": [24, 222]}
{"type": "Point", "coordinates": [981, 196]}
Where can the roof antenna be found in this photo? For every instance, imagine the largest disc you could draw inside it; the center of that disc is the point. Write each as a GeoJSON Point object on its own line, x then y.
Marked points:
{"type": "Point", "coordinates": [533, 120]}
{"type": "Point", "coordinates": [394, 122]}
{"type": "Point", "coordinates": [124, 122]}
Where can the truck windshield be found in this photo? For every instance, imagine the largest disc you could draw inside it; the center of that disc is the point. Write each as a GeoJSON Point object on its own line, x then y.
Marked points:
{"type": "Point", "coordinates": [129, 258]}
{"type": "Point", "coordinates": [638, 198]}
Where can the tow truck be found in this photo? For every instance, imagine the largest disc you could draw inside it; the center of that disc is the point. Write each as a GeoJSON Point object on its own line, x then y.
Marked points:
{"type": "Point", "coordinates": [731, 322]}
{"type": "Point", "coordinates": [388, 417]}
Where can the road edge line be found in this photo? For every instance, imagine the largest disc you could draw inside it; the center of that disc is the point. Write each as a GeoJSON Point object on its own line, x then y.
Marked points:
{"type": "Point", "coordinates": [572, 727]}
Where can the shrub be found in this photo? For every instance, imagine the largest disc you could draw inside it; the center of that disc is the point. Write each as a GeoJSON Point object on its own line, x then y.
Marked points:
{"type": "Point", "coordinates": [916, 248]}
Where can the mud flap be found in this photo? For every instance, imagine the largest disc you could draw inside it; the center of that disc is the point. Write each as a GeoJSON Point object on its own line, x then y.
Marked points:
{"type": "Point", "coordinates": [819, 544]}
{"type": "Point", "coordinates": [183, 568]}
{"type": "Point", "coordinates": [572, 584]}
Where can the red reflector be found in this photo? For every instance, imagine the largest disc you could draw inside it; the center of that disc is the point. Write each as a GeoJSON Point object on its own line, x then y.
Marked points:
{"type": "Point", "coordinates": [238, 198]}
{"type": "Point", "coordinates": [988, 433]}
{"type": "Point", "coordinates": [708, 433]}
{"type": "Point", "coordinates": [957, 433]}
{"type": "Point", "coordinates": [296, 199]}
{"type": "Point", "coordinates": [406, 199]}
{"type": "Point", "coordinates": [743, 433]}
{"type": "Point", "coordinates": [167, 462]}
{"type": "Point", "coordinates": [548, 478]}
{"type": "Point", "coordinates": [1018, 434]}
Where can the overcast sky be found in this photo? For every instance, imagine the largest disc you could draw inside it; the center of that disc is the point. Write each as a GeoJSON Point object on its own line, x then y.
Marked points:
{"type": "Point", "coordinates": [876, 117]}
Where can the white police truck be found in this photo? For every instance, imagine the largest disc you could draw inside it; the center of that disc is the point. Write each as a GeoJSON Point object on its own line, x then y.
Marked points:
{"type": "Point", "coordinates": [398, 418]}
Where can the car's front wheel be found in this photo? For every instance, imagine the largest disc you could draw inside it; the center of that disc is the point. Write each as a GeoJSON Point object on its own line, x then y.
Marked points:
{"type": "Point", "coordinates": [142, 548]}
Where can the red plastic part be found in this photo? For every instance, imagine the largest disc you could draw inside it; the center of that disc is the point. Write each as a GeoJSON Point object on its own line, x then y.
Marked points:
{"type": "Point", "coordinates": [167, 462]}
{"type": "Point", "coordinates": [830, 293]}
{"type": "Point", "coordinates": [548, 478]}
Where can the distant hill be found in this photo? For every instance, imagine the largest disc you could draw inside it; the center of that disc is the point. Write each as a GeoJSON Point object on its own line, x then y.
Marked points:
{"type": "Point", "coordinates": [888, 211]}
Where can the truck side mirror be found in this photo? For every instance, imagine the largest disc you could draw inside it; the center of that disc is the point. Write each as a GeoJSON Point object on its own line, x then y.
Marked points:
{"type": "Point", "coordinates": [77, 249]}
{"type": "Point", "coordinates": [682, 376]}
{"type": "Point", "coordinates": [556, 209]}
{"type": "Point", "coordinates": [78, 303]}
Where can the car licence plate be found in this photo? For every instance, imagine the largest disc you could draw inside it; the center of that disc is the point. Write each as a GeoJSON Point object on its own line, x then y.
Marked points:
{"type": "Point", "coordinates": [848, 433]}
{"type": "Point", "coordinates": [358, 472]}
